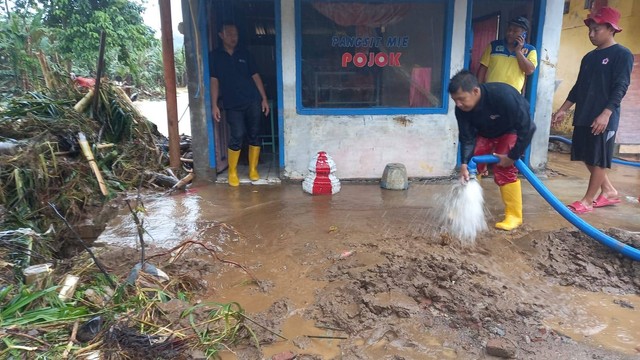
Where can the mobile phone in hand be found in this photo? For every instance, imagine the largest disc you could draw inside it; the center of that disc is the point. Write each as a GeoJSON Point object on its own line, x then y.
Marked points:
{"type": "Point", "coordinates": [524, 37]}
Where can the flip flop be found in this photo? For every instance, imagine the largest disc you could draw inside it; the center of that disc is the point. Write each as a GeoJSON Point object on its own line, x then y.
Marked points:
{"type": "Point", "coordinates": [577, 207]}
{"type": "Point", "coordinates": [602, 201]}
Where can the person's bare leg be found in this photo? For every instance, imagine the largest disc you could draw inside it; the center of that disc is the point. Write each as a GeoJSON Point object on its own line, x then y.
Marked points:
{"type": "Point", "coordinates": [607, 188]}
{"type": "Point", "coordinates": [596, 182]}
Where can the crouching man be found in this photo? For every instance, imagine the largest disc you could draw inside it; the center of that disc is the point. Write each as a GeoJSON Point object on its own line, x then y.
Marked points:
{"type": "Point", "coordinates": [493, 118]}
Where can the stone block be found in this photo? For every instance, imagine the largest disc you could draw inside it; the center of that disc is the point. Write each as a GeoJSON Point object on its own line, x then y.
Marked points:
{"type": "Point", "coordinates": [394, 177]}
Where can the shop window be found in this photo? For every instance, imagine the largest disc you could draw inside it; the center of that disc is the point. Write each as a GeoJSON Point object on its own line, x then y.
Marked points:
{"type": "Point", "coordinates": [373, 57]}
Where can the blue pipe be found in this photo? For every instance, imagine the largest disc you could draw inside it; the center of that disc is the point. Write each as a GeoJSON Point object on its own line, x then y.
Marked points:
{"type": "Point", "coordinates": [584, 226]}
{"type": "Point", "coordinates": [614, 160]}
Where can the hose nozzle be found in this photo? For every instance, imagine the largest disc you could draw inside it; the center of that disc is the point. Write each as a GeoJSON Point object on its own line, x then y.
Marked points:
{"type": "Point", "coordinates": [472, 166]}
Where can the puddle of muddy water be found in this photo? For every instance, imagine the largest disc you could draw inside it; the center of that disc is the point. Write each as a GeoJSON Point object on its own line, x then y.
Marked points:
{"type": "Point", "coordinates": [610, 321]}
{"type": "Point", "coordinates": [168, 220]}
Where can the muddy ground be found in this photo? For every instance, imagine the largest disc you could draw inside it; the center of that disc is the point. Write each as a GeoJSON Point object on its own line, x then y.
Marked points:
{"type": "Point", "coordinates": [409, 293]}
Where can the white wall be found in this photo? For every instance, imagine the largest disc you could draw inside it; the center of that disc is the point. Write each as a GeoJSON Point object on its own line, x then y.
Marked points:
{"type": "Point", "coordinates": [546, 82]}
{"type": "Point", "coordinates": [362, 145]}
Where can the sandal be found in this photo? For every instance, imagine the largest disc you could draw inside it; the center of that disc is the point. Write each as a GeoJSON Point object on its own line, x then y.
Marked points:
{"type": "Point", "coordinates": [577, 207]}
{"type": "Point", "coordinates": [602, 201]}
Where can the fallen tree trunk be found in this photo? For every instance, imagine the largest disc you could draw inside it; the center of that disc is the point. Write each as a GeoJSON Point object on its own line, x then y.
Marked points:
{"type": "Point", "coordinates": [49, 80]}
{"type": "Point", "coordinates": [165, 181]}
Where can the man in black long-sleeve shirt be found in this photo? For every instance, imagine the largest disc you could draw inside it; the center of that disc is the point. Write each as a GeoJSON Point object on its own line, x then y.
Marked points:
{"type": "Point", "coordinates": [602, 83]}
{"type": "Point", "coordinates": [493, 118]}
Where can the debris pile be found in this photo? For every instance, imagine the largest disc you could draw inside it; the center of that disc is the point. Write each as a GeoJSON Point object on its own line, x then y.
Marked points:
{"type": "Point", "coordinates": [65, 153]}
{"type": "Point", "coordinates": [151, 317]}
{"type": "Point", "coordinates": [57, 149]}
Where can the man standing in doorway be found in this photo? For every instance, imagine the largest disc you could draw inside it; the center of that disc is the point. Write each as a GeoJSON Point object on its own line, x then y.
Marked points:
{"type": "Point", "coordinates": [493, 118]}
{"type": "Point", "coordinates": [605, 74]}
{"type": "Point", "coordinates": [511, 59]}
{"type": "Point", "coordinates": [235, 79]}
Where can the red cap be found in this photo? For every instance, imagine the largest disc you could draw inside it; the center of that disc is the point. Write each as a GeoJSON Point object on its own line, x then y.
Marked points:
{"type": "Point", "coordinates": [605, 15]}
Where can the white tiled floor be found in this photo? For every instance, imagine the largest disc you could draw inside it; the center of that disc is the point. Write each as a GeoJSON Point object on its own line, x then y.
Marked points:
{"type": "Point", "coordinates": [267, 167]}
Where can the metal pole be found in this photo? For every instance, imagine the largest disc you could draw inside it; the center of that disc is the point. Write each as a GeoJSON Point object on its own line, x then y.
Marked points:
{"type": "Point", "coordinates": [170, 83]}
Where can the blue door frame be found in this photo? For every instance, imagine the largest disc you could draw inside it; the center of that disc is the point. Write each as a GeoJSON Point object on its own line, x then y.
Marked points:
{"type": "Point", "coordinates": [539, 14]}
{"type": "Point", "coordinates": [202, 27]}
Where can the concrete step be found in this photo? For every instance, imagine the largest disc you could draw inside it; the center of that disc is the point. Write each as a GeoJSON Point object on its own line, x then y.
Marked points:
{"type": "Point", "coordinates": [628, 148]}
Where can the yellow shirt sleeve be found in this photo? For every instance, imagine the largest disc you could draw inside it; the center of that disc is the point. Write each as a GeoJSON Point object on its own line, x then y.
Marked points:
{"type": "Point", "coordinates": [486, 56]}
{"type": "Point", "coordinates": [533, 57]}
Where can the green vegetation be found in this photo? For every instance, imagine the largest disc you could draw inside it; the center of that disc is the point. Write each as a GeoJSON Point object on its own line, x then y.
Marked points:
{"type": "Point", "coordinates": [67, 32]}
{"type": "Point", "coordinates": [145, 320]}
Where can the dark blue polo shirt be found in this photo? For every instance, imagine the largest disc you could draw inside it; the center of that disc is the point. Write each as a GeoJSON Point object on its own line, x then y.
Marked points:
{"type": "Point", "coordinates": [501, 110]}
{"type": "Point", "coordinates": [234, 74]}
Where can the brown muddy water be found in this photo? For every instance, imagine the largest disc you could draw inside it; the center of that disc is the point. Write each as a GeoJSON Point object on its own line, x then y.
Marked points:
{"type": "Point", "coordinates": [365, 273]}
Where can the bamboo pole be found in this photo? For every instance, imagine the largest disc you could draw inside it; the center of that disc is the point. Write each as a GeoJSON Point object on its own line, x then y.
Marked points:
{"type": "Point", "coordinates": [82, 105]}
{"type": "Point", "coordinates": [86, 150]}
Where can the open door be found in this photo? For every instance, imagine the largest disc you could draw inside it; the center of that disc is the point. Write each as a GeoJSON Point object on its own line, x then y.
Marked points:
{"type": "Point", "coordinates": [255, 20]}
{"type": "Point", "coordinates": [221, 136]}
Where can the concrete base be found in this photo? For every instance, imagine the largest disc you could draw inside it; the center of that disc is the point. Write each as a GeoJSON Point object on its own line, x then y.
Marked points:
{"type": "Point", "coordinates": [629, 149]}
{"type": "Point", "coordinates": [394, 177]}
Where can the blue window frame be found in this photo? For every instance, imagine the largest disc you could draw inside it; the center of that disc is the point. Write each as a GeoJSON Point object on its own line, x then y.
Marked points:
{"type": "Point", "coordinates": [373, 57]}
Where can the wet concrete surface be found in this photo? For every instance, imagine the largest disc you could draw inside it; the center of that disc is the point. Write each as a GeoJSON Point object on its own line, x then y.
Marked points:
{"type": "Point", "coordinates": [291, 239]}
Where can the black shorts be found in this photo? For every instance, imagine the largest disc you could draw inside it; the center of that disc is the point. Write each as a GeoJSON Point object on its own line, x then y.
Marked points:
{"type": "Point", "coordinates": [595, 150]}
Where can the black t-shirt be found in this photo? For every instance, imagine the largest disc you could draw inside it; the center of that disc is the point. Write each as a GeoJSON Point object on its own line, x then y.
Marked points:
{"type": "Point", "coordinates": [234, 74]}
{"type": "Point", "coordinates": [602, 83]}
{"type": "Point", "coordinates": [501, 110]}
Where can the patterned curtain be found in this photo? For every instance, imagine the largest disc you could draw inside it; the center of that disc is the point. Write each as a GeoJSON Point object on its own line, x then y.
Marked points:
{"type": "Point", "coordinates": [484, 32]}
{"type": "Point", "coordinates": [365, 17]}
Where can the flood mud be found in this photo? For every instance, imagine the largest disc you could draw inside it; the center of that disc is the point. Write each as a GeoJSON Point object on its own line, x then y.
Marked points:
{"type": "Point", "coordinates": [366, 274]}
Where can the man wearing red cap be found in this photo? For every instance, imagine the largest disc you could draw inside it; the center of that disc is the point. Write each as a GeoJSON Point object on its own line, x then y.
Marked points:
{"type": "Point", "coordinates": [602, 82]}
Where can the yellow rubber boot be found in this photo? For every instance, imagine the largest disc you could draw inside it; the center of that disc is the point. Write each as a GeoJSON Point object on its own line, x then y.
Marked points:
{"type": "Point", "coordinates": [254, 156]}
{"type": "Point", "coordinates": [233, 156]}
{"type": "Point", "coordinates": [512, 198]}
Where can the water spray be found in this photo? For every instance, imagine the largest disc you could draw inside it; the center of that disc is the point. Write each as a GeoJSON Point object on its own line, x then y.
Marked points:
{"type": "Point", "coordinates": [463, 216]}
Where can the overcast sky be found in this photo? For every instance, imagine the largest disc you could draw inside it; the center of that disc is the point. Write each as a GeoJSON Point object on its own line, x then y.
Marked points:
{"type": "Point", "coordinates": [151, 17]}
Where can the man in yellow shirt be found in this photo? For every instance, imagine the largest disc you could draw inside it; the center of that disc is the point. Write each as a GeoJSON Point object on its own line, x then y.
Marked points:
{"type": "Point", "coordinates": [509, 60]}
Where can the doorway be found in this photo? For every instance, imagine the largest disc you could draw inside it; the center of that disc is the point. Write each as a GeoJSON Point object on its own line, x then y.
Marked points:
{"type": "Point", "coordinates": [489, 19]}
{"type": "Point", "coordinates": [255, 20]}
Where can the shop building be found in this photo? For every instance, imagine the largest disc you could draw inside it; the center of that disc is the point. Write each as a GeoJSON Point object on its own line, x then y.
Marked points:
{"type": "Point", "coordinates": [365, 81]}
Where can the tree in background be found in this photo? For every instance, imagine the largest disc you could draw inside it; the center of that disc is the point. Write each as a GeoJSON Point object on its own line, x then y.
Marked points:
{"type": "Point", "coordinates": [70, 29]}
{"type": "Point", "coordinates": [20, 37]}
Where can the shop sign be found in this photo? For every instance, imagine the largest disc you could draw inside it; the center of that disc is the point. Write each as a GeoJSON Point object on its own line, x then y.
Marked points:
{"type": "Point", "coordinates": [363, 57]}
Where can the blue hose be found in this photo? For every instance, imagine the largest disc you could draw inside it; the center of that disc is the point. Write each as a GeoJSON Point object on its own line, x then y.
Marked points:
{"type": "Point", "coordinates": [596, 234]}
{"type": "Point", "coordinates": [614, 160]}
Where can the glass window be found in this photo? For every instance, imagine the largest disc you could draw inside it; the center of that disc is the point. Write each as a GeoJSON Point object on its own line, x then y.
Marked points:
{"type": "Point", "coordinates": [373, 54]}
